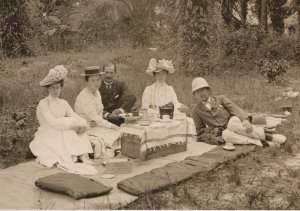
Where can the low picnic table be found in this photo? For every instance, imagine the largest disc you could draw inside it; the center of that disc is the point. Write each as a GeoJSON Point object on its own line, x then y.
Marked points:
{"type": "Point", "coordinates": [155, 140]}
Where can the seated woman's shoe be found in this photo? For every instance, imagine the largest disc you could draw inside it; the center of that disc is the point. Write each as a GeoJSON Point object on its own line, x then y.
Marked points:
{"type": "Point", "coordinates": [85, 159]}
{"type": "Point", "coordinates": [278, 138]}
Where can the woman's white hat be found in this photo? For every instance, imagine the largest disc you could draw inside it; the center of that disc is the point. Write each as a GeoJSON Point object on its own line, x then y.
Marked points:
{"type": "Point", "coordinates": [55, 74]}
{"type": "Point", "coordinates": [199, 83]}
{"type": "Point", "coordinates": [157, 66]}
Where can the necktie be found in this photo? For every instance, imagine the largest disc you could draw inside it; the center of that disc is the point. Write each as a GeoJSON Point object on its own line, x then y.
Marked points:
{"type": "Point", "coordinates": [108, 86]}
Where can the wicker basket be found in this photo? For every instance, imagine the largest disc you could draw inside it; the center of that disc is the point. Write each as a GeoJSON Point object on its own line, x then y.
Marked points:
{"type": "Point", "coordinates": [118, 166]}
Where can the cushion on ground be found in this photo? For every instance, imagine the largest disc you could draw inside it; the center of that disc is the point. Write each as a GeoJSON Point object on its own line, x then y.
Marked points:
{"type": "Point", "coordinates": [176, 172]}
{"type": "Point", "coordinates": [73, 185]}
{"type": "Point", "coordinates": [220, 155]}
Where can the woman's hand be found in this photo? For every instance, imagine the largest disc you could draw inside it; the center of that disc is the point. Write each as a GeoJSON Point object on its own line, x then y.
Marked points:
{"type": "Point", "coordinates": [183, 109]}
{"type": "Point", "coordinates": [248, 126]}
{"type": "Point", "coordinates": [93, 123]}
{"type": "Point", "coordinates": [79, 129]}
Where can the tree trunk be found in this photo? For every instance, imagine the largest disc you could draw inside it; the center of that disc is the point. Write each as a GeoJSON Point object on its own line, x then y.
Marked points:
{"type": "Point", "coordinates": [230, 20]}
{"type": "Point", "coordinates": [258, 10]}
{"type": "Point", "coordinates": [277, 15]}
{"type": "Point", "coordinates": [244, 9]}
{"type": "Point", "coordinates": [264, 16]}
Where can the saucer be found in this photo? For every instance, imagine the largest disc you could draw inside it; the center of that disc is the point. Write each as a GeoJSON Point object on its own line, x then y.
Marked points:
{"type": "Point", "coordinates": [156, 120]}
{"type": "Point", "coordinates": [165, 120]}
{"type": "Point", "coordinates": [228, 147]}
{"type": "Point", "coordinates": [143, 123]}
{"type": "Point", "coordinates": [178, 118]}
{"type": "Point", "coordinates": [107, 176]}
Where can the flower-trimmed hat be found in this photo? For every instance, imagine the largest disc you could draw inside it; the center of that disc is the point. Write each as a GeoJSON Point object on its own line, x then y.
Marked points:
{"type": "Point", "coordinates": [55, 74]}
{"type": "Point", "coordinates": [157, 66]}
{"type": "Point", "coordinates": [91, 71]}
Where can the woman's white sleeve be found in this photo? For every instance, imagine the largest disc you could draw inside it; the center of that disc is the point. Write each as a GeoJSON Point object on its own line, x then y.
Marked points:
{"type": "Point", "coordinates": [146, 98]}
{"type": "Point", "coordinates": [90, 111]}
{"type": "Point", "coordinates": [77, 119]}
{"type": "Point", "coordinates": [62, 123]}
{"type": "Point", "coordinates": [173, 95]}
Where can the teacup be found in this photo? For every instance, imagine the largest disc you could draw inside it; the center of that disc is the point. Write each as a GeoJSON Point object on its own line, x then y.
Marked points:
{"type": "Point", "coordinates": [165, 117]}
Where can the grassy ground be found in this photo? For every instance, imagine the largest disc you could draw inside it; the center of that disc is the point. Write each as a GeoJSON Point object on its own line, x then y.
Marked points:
{"type": "Point", "coordinates": [242, 185]}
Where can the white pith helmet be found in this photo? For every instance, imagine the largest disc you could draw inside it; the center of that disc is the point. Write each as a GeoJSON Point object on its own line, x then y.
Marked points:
{"type": "Point", "coordinates": [199, 83]}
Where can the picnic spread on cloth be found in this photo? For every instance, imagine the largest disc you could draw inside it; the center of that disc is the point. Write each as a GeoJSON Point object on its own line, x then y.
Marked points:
{"type": "Point", "coordinates": [156, 140]}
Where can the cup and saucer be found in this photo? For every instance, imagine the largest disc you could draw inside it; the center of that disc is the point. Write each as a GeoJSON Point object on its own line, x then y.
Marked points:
{"type": "Point", "coordinates": [144, 122]}
{"type": "Point", "coordinates": [165, 119]}
{"type": "Point", "coordinates": [229, 147]}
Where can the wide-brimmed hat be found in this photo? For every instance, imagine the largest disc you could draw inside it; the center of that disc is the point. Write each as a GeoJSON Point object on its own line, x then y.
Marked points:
{"type": "Point", "coordinates": [55, 75]}
{"type": "Point", "coordinates": [199, 83]}
{"type": "Point", "coordinates": [157, 66]}
{"type": "Point", "coordinates": [92, 71]}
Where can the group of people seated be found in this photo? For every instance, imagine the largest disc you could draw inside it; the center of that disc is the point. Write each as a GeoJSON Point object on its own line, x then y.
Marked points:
{"type": "Point", "coordinates": [65, 135]}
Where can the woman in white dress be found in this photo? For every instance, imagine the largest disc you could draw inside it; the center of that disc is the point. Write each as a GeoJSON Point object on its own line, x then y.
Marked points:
{"type": "Point", "coordinates": [160, 93]}
{"type": "Point", "coordinates": [61, 135]}
{"type": "Point", "coordinates": [88, 105]}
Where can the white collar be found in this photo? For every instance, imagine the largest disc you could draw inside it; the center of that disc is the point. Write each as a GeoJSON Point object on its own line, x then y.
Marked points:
{"type": "Point", "coordinates": [91, 91]}
{"type": "Point", "coordinates": [108, 83]}
{"type": "Point", "coordinates": [208, 101]}
{"type": "Point", "coordinates": [52, 98]}
{"type": "Point", "coordinates": [161, 84]}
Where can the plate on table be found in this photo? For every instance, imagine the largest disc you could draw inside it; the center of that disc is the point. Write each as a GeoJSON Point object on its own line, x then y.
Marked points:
{"type": "Point", "coordinates": [178, 118]}
{"type": "Point", "coordinates": [141, 123]}
{"type": "Point", "coordinates": [165, 120]}
{"type": "Point", "coordinates": [156, 120]}
{"type": "Point", "coordinates": [107, 176]}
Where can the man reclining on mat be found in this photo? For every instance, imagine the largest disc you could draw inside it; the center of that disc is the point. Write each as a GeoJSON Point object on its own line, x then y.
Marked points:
{"type": "Point", "coordinates": [219, 120]}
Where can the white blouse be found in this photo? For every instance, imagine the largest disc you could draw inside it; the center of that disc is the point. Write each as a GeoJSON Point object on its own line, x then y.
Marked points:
{"type": "Point", "coordinates": [159, 94]}
{"type": "Point", "coordinates": [89, 106]}
{"type": "Point", "coordinates": [55, 112]}
{"type": "Point", "coordinates": [55, 141]}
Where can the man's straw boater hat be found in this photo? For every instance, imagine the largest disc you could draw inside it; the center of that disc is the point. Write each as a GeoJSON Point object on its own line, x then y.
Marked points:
{"type": "Point", "coordinates": [92, 71]}
{"type": "Point", "coordinates": [55, 75]}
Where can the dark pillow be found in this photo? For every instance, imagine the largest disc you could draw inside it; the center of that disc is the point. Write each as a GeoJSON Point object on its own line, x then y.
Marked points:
{"type": "Point", "coordinates": [73, 185]}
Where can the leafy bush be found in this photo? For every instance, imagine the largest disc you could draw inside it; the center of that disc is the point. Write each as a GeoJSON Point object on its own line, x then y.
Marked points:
{"type": "Point", "coordinates": [18, 28]}
{"type": "Point", "coordinates": [272, 68]}
{"type": "Point", "coordinates": [243, 50]}
{"type": "Point", "coordinates": [112, 22]}
{"type": "Point", "coordinates": [14, 24]}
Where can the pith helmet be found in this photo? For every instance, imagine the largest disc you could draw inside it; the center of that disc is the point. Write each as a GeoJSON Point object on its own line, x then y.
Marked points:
{"type": "Point", "coordinates": [199, 83]}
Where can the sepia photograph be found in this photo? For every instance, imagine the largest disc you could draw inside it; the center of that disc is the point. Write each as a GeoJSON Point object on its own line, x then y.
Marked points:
{"type": "Point", "coordinates": [149, 104]}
